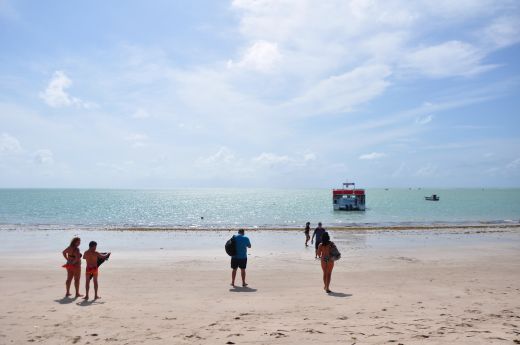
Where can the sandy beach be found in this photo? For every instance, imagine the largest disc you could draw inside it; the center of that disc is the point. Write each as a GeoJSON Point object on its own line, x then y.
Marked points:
{"type": "Point", "coordinates": [459, 286]}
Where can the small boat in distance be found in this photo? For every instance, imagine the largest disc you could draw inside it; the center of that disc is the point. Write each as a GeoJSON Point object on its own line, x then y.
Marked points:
{"type": "Point", "coordinates": [434, 197]}
{"type": "Point", "coordinates": [348, 199]}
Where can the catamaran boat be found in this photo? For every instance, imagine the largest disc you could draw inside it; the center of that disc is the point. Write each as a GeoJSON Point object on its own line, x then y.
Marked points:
{"type": "Point", "coordinates": [348, 199]}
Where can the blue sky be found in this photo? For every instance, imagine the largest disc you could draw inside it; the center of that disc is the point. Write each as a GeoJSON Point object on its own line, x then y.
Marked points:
{"type": "Point", "coordinates": [286, 93]}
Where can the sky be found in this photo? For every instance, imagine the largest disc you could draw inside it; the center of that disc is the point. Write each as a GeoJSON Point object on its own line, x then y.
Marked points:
{"type": "Point", "coordinates": [265, 93]}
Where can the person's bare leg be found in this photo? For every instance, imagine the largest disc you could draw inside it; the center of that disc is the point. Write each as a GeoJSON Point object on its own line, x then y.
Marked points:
{"type": "Point", "coordinates": [327, 281]}
{"type": "Point", "coordinates": [87, 285]}
{"type": "Point", "coordinates": [330, 266]}
{"type": "Point", "coordinates": [70, 274]}
{"type": "Point", "coordinates": [324, 269]}
{"type": "Point", "coordinates": [96, 296]}
{"type": "Point", "coordinates": [233, 276]}
{"type": "Point", "coordinates": [77, 277]}
{"type": "Point", "coordinates": [243, 273]}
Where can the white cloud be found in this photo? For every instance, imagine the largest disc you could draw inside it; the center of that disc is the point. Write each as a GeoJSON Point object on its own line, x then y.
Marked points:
{"type": "Point", "coordinates": [137, 139]}
{"type": "Point", "coordinates": [502, 32]}
{"type": "Point", "coordinates": [141, 114]}
{"type": "Point", "coordinates": [324, 36]}
{"type": "Point", "coordinates": [309, 157]}
{"type": "Point", "coordinates": [43, 156]}
{"type": "Point", "coordinates": [227, 163]}
{"type": "Point", "coordinates": [452, 58]}
{"type": "Point", "coordinates": [428, 170]}
{"type": "Point", "coordinates": [223, 156]}
{"type": "Point", "coordinates": [513, 164]}
{"type": "Point", "coordinates": [424, 120]}
{"type": "Point", "coordinates": [56, 96]}
{"type": "Point", "coordinates": [119, 168]}
{"type": "Point", "coordinates": [343, 92]}
{"type": "Point", "coordinates": [372, 156]}
{"type": "Point", "coordinates": [9, 144]}
{"type": "Point", "coordinates": [261, 56]}
{"type": "Point", "coordinates": [271, 159]}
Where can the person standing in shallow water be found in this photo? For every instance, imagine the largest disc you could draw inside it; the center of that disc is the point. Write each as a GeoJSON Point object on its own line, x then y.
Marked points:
{"type": "Point", "coordinates": [239, 260]}
{"type": "Point", "coordinates": [307, 232]}
{"type": "Point", "coordinates": [318, 232]}
{"type": "Point", "coordinates": [73, 265]}
{"type": "Point", "coordinates": [327, 264]}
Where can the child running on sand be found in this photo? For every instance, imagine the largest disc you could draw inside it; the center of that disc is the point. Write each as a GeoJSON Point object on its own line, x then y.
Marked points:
{"type": "Point", "coordinates": [92, 256]}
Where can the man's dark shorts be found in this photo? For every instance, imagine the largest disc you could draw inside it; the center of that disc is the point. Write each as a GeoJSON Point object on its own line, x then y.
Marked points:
{"type": "Point", "coordinates": [317, 244]}
{"type": "Point", "coordinates": [236, 263]}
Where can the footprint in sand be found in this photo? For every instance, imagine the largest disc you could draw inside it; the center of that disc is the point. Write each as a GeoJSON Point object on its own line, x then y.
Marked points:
{"type": "Point", "coordinates": [422, 336]}
{"type": "Point", "coordinates": [473, 311]}
{"type": "Point", "coordinates": [278, 334]}
{"type": "Point", "coordinates": [235, 335]}
{"type": "Point", "coordinates": [310, 330]}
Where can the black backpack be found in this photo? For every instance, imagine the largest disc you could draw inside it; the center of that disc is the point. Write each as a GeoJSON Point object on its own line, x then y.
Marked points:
{"type": "Point", "coordinates": [334, 253]}
{"type": "Point", "coordinates": [231, 246]}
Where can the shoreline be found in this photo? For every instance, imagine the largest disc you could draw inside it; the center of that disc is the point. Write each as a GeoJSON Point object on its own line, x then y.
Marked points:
{"type": "Point", "coordinates": [356, 227]}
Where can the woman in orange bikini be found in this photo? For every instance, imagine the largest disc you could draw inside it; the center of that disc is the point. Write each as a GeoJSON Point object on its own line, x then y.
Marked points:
{"type": "Point", "coordinates": [327, 264]}
{"type": "Point", "coordinates": [73, 265]}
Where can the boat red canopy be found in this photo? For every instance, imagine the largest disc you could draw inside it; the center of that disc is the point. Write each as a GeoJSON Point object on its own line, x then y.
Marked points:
{"type": "Point", "coordinates": [348, 192]}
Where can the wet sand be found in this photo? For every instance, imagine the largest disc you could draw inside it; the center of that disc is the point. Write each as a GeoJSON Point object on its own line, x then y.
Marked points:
{"type": "Point", "coordinates": [454, 286]}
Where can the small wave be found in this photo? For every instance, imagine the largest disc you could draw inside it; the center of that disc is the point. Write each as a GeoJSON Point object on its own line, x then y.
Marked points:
{"type": "Point", "coordinates": [234, 227]}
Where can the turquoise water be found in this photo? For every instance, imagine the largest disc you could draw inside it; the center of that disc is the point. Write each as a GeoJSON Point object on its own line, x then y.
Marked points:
{"type": "Point", "coordinates": [221, 208]}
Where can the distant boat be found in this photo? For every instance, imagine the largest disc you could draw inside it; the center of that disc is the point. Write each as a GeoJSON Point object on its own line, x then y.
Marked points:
{"type": "Point", "coordinates": [434, 197]}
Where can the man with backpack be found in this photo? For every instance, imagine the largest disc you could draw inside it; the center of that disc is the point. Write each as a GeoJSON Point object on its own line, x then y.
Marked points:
{"type": "Point", "coordinates": [239, 256]}
{"type": "Point", "coordinates": [318, 232]}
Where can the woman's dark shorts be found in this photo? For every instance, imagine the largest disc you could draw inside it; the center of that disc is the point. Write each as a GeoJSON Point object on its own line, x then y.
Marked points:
{"type": "Point", "coordinates": [317, 244]}
{"type": "Point", "coordinates": [236, 263]}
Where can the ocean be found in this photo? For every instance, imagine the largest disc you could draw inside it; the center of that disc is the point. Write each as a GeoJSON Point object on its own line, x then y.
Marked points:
{"type": "Point", "coordinates": [250, 208]}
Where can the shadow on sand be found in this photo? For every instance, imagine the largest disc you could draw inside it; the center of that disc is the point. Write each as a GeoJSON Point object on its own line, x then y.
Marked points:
{"type": "Point", "coordinates": [66, 300]}
{"type": "Point", "coordinates": [242, 289]}
{"type": "Point", "coordinates": [86, 303]}
{"type": "Point", "coordinates": [339, 294]}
